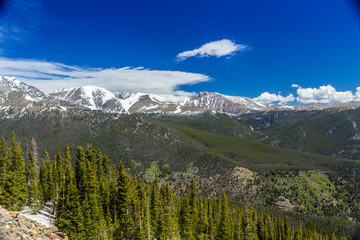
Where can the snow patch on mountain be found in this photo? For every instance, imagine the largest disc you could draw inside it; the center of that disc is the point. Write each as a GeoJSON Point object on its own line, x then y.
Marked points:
{"type": "Point", "coordinates": [169, 99]}
{"type": "Point", "coordinates": [130, 100]}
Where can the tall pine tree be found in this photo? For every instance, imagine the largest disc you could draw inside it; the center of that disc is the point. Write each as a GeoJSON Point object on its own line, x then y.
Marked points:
{"type": "Point", "coordinates": [90, 204]}
{"type": "Point", "coordinates": [5, 184]}
{"type": "Point", "coordinates": [17, 176]}
{"type": "Point", "coordinates": [123, 200]}
{"type": "Point", "coordinates": [69, 217]}
{"type": "Point", "coordinates": [46, 179]}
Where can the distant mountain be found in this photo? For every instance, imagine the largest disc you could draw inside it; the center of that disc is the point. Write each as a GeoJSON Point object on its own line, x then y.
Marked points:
{"type": "Point", "coordinates": [224, 104]}
{"type": "Point", "coordinates": [11, 84]}
{"type": "Point", "coordinates": [93, 98]}
{"type": "Point", "coordinates": [96, 98]}
{"type": "Point", "coordinates": [14, 93]}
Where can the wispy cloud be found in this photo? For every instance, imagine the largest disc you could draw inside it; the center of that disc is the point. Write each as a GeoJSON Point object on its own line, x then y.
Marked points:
{"type": "Point", "coordinates": [269, 98]}
{"type": "Point", "coordinates": [218, 48]}
{"type": "Point", "coordinates": [49, 76]}
{"type": "Point", "coordinates": [18, 20]}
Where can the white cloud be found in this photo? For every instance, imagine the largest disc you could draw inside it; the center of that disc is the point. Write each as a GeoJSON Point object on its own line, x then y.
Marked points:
{"type": "Point", "coordinates": [357, 94]}
{"type": "Point", "coordinates": [49, 76]}
{"type": "Point", "coordinates": [326, 95]}
{"type": "Point", "coordinates": [322, 95]}
{"type": "Point", "coordinates": [216, 48]}
{"type": "Point", "coordinates": [268, 98]}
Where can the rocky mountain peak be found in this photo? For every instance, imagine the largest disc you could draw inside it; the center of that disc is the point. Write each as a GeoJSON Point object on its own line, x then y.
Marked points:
{"type": "Point", "coordinates": [10, 84]}
{"type": "Point", "coordinates": [224, 104]}
{"type": "Point", "coordinates": [91, 97]}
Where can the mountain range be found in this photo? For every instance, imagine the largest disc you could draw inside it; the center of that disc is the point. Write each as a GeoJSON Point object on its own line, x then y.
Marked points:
{"type": "Point", "coordinates": [14, 93]}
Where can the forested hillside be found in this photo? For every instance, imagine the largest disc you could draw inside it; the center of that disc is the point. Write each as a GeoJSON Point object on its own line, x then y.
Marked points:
{"type": "Point", "coordinates": [220, 152]}
{"type": "Point", "coordinates": [94, 200]}
{"type": "Point", "coordinates": [333, 131]}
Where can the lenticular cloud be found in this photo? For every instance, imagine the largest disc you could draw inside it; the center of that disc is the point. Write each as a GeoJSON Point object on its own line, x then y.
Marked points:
{"type": "Point", "coordinates": [219, 48]}
{"type": "Point", "coordinates": [49, 76]}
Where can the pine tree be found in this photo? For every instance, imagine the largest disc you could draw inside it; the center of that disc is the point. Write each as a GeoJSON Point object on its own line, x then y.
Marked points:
{"type": "Point", "coordinates": [17, 179]}
{"type": "Point", "coordinates": [217, 214]}
{"type": "Point", "coordinates": [203, 225]}
{"type": "Point", "coordinates": [58, 174]}
{"type": "Point", "coordinates": [32, 180]}
{"type": "Point", "coordinates": [249, 224]}
{"type": "Point", "coordinates": [4, 173]}
{"type": "Point", "coordinates": [154, 209]}
{"type": "Point", "coordinates": [113, 194]}
{"type": "Point", "coordinates": [166, 221]}
{"type": "Point", "coordinates": [103, 174]}
{"type": "Point", "coordinates": [212, 227]}
{"type": "Point", "coordinates": [104, 185]}
{"type": "Point", "coordinates": [333, 236]}
{"type": "Point", "coordinates": [80, 172]}
{"type": "Point", "coordinates": [90, 155]}
{"type": "Point", "coordinates": [238, 232]}
{"type": "Point", "coordinates": [193, 192]}
{"type": "Point", "coordinates": [123, 200]}
{"type": "Point", "coordinates": [270, 228]}
{"type": "Point", "coordinates": [287, 229]}
{"type": "Point", "coordinates": [224, 231]}
{"type": "Point", "coordinates": [185, 220]}
{"type": "Point", "coordinates": [69, 217]}
{"type": "Point", "coordinates": [46, 179]}
{"type": "Point", "coordinates": [260, 225]}
{"type": "Point", "coordinates": [90, 204]}
{"type": "Point", "coordinates": [143, 205]}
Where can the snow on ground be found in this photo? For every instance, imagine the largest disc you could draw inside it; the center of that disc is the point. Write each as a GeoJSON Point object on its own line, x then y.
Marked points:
{"type": "Point", "coordinates": [29, 98]}
{"type": "Point", "coordinates": [178, 110]}
{"type": "Point", "coordinates": [130, 100]}
{"type": "Point", "coordinates": [148, 108]}
{"type": "Point", "coordinates": [43, 217]}
{"type": "Point", "coordinates": [169, 98]}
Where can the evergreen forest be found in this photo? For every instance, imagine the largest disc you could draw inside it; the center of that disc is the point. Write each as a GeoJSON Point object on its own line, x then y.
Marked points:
{"type": "Point", "coordinates": [94, 199]}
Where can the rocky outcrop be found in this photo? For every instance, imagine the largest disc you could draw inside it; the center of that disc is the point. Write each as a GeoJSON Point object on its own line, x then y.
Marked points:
{"type": "Point", "coordinates": [15, 226]}
{"type": "Point", "coordinates": [284, 204]}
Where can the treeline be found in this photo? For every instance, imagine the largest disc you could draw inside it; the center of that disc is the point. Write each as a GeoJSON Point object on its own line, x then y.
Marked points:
{"type": "Point", "coordinates": [93, 200]}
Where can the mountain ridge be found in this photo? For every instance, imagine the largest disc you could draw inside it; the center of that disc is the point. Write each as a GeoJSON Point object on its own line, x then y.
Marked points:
{"type": "Point", "coordinates": [15, 93]}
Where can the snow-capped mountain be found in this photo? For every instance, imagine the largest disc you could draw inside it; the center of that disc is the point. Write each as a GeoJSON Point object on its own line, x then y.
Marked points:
{"type": "Point", "coordinates": [14, 93]}
{"type": "Point", "coordinates": [96, 98]}
{"type": "Point", "coordinates": [10, 84]}
{"type": "Point", "coordinates": [224, 104]}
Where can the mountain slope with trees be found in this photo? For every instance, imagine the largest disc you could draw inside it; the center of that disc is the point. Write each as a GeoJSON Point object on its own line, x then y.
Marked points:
{"type": "Point", "coordinates": [94, 200]}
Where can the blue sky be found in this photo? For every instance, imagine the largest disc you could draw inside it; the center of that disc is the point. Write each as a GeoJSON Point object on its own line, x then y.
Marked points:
{"type": "Point", "coordinates": [265, 50]}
